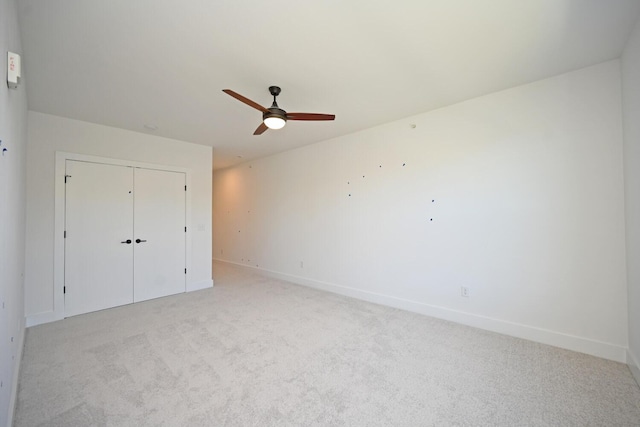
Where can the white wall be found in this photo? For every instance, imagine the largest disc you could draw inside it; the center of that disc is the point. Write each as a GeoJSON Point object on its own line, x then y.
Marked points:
{"type": "Point", "coordinates": [13, 134]}
{"type": "Point", "coordinates": [631, 114]}
{"type": "Point", "coordinates": [48, 134]}
{"type": "Point", "coordinates": [517, 195]}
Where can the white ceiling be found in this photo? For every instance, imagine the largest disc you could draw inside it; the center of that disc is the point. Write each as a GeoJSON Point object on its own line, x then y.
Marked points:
{"type": "Point", "coordinates": [127, 63]}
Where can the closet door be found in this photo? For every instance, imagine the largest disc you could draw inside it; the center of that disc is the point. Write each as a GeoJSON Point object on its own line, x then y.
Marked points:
{"type": "Point", "coordinates": [160, 235]}
{"type": "Point", "coordinates": [98, 224]}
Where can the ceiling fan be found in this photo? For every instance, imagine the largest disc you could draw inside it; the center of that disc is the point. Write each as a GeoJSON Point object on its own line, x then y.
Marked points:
{"type": "Point", "coordinates": [275, 117]}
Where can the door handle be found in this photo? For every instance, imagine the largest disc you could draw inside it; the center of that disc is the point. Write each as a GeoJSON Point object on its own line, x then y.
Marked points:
{"type": "Point", "coordinates": [128, 241]}
{"type": "Point", "coordinates": [140, 241]}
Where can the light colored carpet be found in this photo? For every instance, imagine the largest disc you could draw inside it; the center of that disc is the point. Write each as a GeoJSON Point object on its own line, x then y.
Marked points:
{"type": "Point", "coordinates": [261, 352]}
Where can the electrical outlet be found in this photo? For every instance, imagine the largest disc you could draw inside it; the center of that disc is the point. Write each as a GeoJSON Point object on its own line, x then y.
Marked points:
{"type": "Point", "coordinates": [464, 291]}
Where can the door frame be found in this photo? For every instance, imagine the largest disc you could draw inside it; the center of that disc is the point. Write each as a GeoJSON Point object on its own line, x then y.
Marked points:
{"type": "Point", "coordinates": [59, 217]}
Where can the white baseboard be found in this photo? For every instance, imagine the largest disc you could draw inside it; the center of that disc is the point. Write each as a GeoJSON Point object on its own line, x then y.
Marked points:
{"type": "Point", "coordinates": [41, 318]}
{"type": "Point", "coordinates": [634, 366]}
{"type": "Point", "coordinates": [201, 284]}
{"type": "Point", "coordinates": [544, 336]}
{"type": "Point", "coordinates": [17, 363]}
{"type": "Point", "coordinates": [52, 316]}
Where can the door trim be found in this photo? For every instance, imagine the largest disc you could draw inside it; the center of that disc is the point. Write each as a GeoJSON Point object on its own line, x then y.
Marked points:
{"type": "Point", "coordinates": [59, 221]}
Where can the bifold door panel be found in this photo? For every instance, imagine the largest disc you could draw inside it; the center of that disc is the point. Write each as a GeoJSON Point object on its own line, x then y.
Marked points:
{"type": "Point", "coordinates": [124, 235]}
{"type": "Point", "coordinates": [159, 218]}
{"type": "Point", "coordinates": [99, 208]}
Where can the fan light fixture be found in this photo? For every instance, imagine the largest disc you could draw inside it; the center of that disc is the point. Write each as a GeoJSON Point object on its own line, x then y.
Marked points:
{"type": "Point", "coordinates": [274, 122]}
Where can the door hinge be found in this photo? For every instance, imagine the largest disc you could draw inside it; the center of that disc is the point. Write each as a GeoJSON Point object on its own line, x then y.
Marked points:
{"type": "Point", "coordinates": [65, 178]}
{"type": "Point", "coordinates": [185, 188]}
{"type": "Point", "coordinates": [185, 229]}
{"type": "Point", "coordinates": [65, 234]}
{"type": "Point", "coordinates": [64, 289]}
{"type": "Point", "coordinates": [185, 271]}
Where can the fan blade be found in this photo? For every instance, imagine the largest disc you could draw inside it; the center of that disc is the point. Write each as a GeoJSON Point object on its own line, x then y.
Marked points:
{"type": "Point", "coordinates": [310, 116]}
{"type": "Point", "coordinates": [245, 100]}
{"type": "Point", "coordinates": [260, 130]}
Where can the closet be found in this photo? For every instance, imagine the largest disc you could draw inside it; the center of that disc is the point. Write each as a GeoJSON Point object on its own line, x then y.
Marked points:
{"type": "Point", "coordinates": [124, 237]}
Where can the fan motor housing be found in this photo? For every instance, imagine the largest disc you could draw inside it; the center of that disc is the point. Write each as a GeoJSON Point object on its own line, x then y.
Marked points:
{"type": "Point", "coordinates": [275, 112]}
